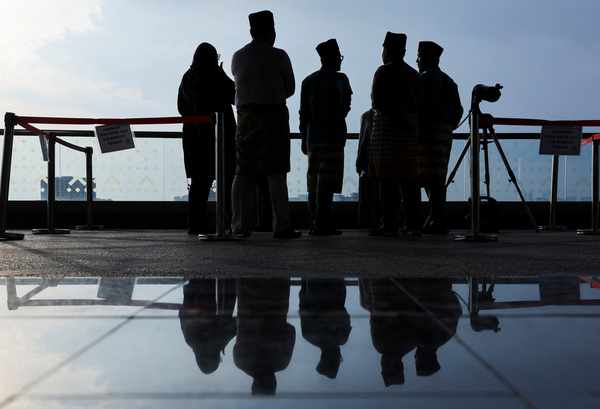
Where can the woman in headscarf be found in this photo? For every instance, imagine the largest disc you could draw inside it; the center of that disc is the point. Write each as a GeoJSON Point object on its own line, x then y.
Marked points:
{"type": "Point", "coordinates": [204, 90]}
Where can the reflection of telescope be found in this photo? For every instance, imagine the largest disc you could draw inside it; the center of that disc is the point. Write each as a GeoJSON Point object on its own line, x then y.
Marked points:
{"type": "Point", "coordinates": [485, 93]}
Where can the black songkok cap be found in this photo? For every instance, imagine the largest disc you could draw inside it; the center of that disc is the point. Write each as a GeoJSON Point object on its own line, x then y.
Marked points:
{"type": "Point", "coordinates": [395, 41]}
{"type": "Point", "coordinates": [430, 48]}
{"type": "Point", "coordinates": [329, 47]}
{"type": "Point", "coordinates": [261, 19]}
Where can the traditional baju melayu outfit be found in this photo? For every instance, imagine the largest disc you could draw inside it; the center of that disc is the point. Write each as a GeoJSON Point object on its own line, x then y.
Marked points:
{"type": "Point", "coordinates": [324, 104]}
{"type": "Point", "coordinates": [264, 79]}
{"type": "Point", "coordinates": [397, 96]}
{"type": "Point", "coordinates": [441, 116]}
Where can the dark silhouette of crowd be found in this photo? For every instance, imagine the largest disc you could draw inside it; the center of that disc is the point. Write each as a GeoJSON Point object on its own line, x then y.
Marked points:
{"type": "Point", "coordinates": [404, 145]}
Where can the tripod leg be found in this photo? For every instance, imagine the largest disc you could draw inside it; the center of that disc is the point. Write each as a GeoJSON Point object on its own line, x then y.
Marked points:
{"type": "Point", "coordinates": [513, 179]}
{"type": "Point", "coordinates": [460, 158]}
{"type": "Point", "coordinates": [486, 161]}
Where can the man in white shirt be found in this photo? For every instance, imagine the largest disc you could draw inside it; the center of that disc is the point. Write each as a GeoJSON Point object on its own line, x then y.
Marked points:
{"type": "Point", "coordinates": [264, 79]}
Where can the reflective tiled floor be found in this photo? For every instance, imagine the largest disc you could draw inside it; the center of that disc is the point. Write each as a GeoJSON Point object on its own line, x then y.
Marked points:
{"type": "Point", "coordinates": [522, 342]}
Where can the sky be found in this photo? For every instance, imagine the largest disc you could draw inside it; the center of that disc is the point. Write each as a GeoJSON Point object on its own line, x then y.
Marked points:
{"type": "Point", "coordinates": [125, 58]}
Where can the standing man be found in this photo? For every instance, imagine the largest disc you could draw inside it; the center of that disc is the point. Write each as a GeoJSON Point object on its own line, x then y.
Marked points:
{"type": "Point", "coordinates": [397, 99]}
{"type": "Point", "coordinates": [441, 116]}
{"type": "Point", "coordinates": [264, 79]}
{"type": "Point", "coordinates": [324, 104]}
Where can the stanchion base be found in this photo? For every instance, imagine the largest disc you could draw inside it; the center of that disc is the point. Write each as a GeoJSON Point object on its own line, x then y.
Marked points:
{"type": "Point", "coordinates": [479, 237]}
{"type": "Point", "coordinates": [11, 236]}
{"type": "Point", "coordinates": [220, 237]}
{"type": "Point", "coordinates": [588, 232]}
{"type": "Point", "coordinates": [51, 231]}
{"type": "Point", "coordinates": [88, 227]}
{"type": "Point", "coordinates": [553, 228]}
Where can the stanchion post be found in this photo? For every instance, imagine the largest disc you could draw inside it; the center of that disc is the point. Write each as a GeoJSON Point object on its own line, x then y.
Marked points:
{"type": "Point", "coordinates": [595, 188]}
{"type": "Point", "coordinates": [51, 201]}
{"type": "Point", "coordinates": [220, 183]}
{"type": "Point", "coordinates": [9, 133]}
{"type": "Point", "coordinates": [475, 172]}
{"type": "Point", "coordinates": [89, 181]}
{"type": "Point", "coordinates": [475, 184]}
{"type": "Point", "coordinates": [553, 197]}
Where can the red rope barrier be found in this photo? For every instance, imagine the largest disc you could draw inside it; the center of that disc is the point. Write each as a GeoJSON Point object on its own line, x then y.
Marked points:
{"type": "Point", "coordinates": [25, 122]}
{"type": "Point", "coordinates": [595, 137]}
{"type": "Point", "coordinates": [106, 121]}
{"type": "Point", "coordinates": [36, 131]}
{"type": "Point", "coordinates": [486, 120]}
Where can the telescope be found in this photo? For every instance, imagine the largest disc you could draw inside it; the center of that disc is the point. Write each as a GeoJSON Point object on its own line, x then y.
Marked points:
{"type": "Point", "coordinates": [485, 93]}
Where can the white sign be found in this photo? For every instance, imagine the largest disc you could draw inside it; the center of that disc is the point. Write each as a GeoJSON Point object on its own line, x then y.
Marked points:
{"type": "Point", "coordinates": [560, 140]}
{"type": "Point", "coordinates": [115, 137]}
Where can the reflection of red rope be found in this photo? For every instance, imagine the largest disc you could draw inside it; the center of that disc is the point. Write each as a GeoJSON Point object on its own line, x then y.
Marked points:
{"type": "Point", "coordinates": [593, 283]}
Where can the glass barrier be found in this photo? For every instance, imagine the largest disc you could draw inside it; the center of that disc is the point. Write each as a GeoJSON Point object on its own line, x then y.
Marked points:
{"type": "Point", "coordinates": [154, 171]}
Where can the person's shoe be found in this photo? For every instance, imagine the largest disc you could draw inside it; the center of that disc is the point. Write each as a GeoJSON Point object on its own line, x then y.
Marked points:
{"type": "Point", "coordinates": [384, 232]}
{"type": "Point", "coordinates": [326, 232]}
{"type": "Point", "coordinates": [435, 230]}
{"type": "Point", "coordinates": [263, 227]}
{"type": "Point", "coordinates": [287, 234]}
{"type": "Point", "coordinates": [411, 233]}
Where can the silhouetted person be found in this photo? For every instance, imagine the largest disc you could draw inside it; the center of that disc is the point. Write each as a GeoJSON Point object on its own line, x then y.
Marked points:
{"type": "Point", "coordinates": [207, 319]}
{"type": "Point", "coordinates": [265, 340]}
{"type": "Point", "coordinates": [397, 98]}
{"type": "Point", "coordinates": [264, 79]}
{"type": "Point", "coordinates": [441, 116]}
{"type": "Point", "coordinates": [204, 90]}
{"type": "Point", "coordinates": [265, 213]}
{"type": "Point", "coordinates": [369, 204]}
{"type": "Point", "coordinates": [324, 320]}
{"type": "Point", "coordinates": [324, 104]}
{"type": "Point", "coordinates": [406, 315]}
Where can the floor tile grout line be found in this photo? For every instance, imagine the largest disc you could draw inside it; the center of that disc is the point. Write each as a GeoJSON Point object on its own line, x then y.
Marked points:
{"type": "Point", "coordinates": [489, 367]}
{"type": "Point", "coordinates": [45, 375]}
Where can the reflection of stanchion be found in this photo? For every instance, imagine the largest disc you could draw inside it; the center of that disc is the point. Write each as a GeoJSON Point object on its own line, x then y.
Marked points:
{"type": "Point", "coordinates": [554, 197]}
{"type": "Point", "coordinates": [9, 132]}
{"type": "Point", "coordinates": [595, 187]}
{"type": "Point", "coordinates": [220, 184]}
{"type": "Point", "coordinates": [89, 181]}
{"type": "Point", "coordinates": [51, 202]}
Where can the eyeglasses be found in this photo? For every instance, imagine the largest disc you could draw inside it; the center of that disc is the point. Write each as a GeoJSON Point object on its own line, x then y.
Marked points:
{"type": "Point", "coordinates": [218, 57]}
{"type": "Point", "coordinates": [341, 58]}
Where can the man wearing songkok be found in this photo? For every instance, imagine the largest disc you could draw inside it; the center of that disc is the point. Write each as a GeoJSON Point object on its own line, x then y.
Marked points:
{"type": "Point", "coordinates": [441, 116]}
{"type": "Point", "coordinates": [397, 100]}
{"type": "Point", "coordinates": [324, 104]}
{"type": "Point", "coordinates": [264, 79]}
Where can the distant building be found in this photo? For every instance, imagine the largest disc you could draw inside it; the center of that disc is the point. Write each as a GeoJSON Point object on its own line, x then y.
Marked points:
{"type": "Point", "coordinates": [68, 188]}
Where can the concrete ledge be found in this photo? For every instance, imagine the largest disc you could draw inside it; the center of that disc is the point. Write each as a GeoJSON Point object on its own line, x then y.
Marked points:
{"type": "Point", "coordinates": [172, 215]}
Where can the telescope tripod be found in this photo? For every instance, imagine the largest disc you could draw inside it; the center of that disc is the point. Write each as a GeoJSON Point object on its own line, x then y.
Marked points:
{"type": "Point", "coordinates": [489, 130]}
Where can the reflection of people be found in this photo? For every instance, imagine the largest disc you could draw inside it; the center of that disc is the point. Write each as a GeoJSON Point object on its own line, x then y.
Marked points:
{"type": "Point", "coordinates": [264, 79]}
{"type": "Point", "coordinates": [397, 98]}
{"type": "Point", "coordinates": [441, 116]}
{"type": "Point", "coordinates": [324, 320]}
{"type": "Point", "coordinates": [265, 340]}
{"type": "Point", "coordinates": [324, 103]}
{"type": "Point", "coordinates": [204, 90]}
{"type": "Point", "coordinates": [207, 319]}
{"type": "Point", "coordinates": [408, 314]}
